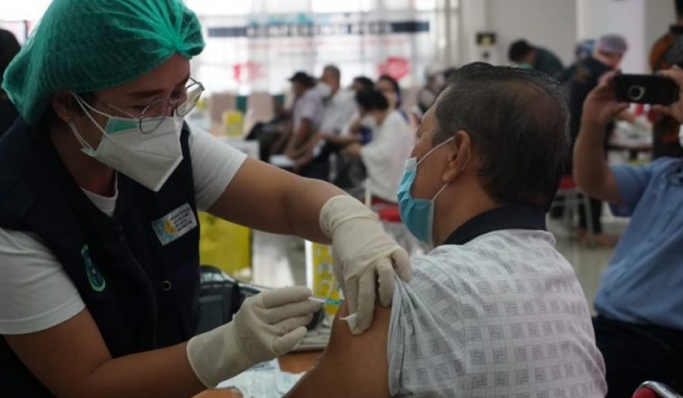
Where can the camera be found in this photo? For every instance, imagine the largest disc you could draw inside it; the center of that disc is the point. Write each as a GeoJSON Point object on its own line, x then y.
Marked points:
{"type": "Point", "coordinates": [646, 89]}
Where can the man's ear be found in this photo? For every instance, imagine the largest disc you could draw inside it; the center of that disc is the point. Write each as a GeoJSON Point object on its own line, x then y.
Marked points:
{"type": "Point", "coordinates": [460, 151]}
{"type": "Point", "coordinates": [65, 106]}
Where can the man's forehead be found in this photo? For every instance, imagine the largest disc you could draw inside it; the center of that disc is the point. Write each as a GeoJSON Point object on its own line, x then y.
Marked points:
{"type": "Point", "coordinates": [429, 118]}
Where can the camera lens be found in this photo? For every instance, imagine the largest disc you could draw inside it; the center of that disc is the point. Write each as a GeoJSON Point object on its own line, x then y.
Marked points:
{"type": "Point", "coordinates": [635, 93]}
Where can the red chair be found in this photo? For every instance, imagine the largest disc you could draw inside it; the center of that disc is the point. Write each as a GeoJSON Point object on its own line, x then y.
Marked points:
{"type": "Point", "coordinates": [653, 389]}
{"type": "Point", "coordinates": [570, 196]}
{"type": "Point", "coordinates": [390, 216]}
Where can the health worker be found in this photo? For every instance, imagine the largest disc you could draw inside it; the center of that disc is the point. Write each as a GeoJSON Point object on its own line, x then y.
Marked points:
{"type": "Point", "coordinates": [100, 184]}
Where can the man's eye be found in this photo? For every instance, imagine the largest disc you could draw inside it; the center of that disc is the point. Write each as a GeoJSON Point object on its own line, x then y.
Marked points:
{"type": "Point", "coordinates": [177, 95]}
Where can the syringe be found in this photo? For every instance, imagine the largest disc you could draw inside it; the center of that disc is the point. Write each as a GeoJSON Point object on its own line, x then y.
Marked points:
{"type": "Point", "coordinates": [317, 299]}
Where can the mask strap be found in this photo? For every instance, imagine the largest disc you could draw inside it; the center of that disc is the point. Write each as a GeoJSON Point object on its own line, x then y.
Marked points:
{"type": "Point", "coordinates": [434, 149]}
{"type": "Point", "coordinates": [469, 155]}
{"type": "Point", "coordinates": [439, 193]}
{"type": "Point", "coordinates": [84, 105]}
{"type": "Point", "coordinates": [80, 139]}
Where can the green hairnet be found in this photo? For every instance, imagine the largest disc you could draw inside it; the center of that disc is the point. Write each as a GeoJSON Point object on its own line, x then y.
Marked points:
{"type": "Point", "coordinates": [92, 45]}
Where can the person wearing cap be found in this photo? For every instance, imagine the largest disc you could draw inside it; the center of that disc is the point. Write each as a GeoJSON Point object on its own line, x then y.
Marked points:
{"type": "Point", "coordinates": [100, 184]}
{"type": "Point", "coordinates": [307, 114]}
{"type": "Point", "coordinates": [338, 110]}
{"type": "Point", "coordinates": [639, 304]}
{"type": "Point", "coordinates": [606, 56]}
{"type": "Point", "coordinates": [524, 54]}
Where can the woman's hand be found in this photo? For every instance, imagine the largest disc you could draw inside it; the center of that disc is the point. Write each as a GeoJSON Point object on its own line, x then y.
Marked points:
{"type": "Point", "coordinates": [266, 326]}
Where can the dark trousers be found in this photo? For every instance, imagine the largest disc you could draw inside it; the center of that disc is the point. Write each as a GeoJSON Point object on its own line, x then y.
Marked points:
{"type": "Point", "coordinates": [595, 213]}
{"type": "Point", "coordinates": [637, 353]}
{"type": "Point", "coordinates": [316, 170]}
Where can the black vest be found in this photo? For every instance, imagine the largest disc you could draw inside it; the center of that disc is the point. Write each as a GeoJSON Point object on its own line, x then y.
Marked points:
{"type": "Point", "coordinates": [142, 294]}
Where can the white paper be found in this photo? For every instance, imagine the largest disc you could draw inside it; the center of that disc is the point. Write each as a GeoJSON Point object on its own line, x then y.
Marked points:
{"type": "Point", "coordinates": [264, 380]}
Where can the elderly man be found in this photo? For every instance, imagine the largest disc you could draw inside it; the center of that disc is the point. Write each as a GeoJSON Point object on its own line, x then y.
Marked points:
{"type": "Point", "coordinates": [494, 310]}
{"type": "Point", "coordinates": [338, 110]}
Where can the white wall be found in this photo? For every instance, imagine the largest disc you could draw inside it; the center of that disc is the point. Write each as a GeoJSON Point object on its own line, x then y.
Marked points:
{"type": "Point", "coordinates": [624, 17]}
{"type": "Point", "coordinates": [472, 14]}
{"type": "Point", "coordinates": [545, 23]}
{"type": "Point", "coordinates": [559, 24]}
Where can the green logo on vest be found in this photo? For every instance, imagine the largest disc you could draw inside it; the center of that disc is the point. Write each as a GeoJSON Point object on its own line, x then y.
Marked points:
{"type": "Point", "coordinates": [95, 277]}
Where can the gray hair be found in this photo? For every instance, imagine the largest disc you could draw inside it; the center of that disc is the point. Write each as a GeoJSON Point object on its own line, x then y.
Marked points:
{"type": "Point", "coordinates": [518, 121]}
{"type": "Point", "coordinates": [334, 70]}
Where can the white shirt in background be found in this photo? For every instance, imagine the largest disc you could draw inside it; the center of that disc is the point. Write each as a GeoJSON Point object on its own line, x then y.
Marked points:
{"type": "Point", "coordinates": [35, 291]}
{"type": "Point", "coordinates": [338, 111]}
{"type": "Point", "coordinates": [385, 156]}
{"type": "Point", "coordinates": [308, 106]}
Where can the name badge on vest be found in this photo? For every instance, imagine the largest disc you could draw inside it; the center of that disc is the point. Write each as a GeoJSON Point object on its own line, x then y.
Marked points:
{"type": "Point", "coordinates": [175, 224]}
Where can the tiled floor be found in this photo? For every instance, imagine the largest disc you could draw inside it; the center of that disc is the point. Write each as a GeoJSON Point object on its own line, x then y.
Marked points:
{"type": "Point", "coordinates": [280, 260]}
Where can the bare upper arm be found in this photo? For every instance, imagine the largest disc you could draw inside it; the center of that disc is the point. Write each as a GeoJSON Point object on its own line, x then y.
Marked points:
{"type": "Point", "coordinates": [266, 198]}
{"type": "Point", "coordinates": [254, 197]}
{"type": "Point", "coordinates": [610, 192]}
{"type": "Point", "coordinates": [605, 189]}
{"type": "Point", "coordinates": [351, 366]}
{"type": "Point", "coordinates": [63, 356]}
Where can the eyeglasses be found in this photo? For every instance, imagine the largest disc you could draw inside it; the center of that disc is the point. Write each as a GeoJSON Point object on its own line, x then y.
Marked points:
{"type": "Point", "coordinates": [152, 116]}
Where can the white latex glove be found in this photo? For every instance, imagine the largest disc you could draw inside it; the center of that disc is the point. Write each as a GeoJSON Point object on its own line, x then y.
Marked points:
{"type": "Point", "coordinates": [267, 325]}
{"type": "Point", "coordinates": [363, 254]}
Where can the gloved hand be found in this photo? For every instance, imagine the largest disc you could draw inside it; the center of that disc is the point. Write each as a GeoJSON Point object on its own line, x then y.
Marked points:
{"type": "Point", "coordinates": [267, 325]}
{"type": "Point", "coordinates": [363, 253]}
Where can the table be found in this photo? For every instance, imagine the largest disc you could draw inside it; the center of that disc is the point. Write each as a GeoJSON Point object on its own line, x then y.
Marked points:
{"type": "Point", "coordinates": [294, 363]}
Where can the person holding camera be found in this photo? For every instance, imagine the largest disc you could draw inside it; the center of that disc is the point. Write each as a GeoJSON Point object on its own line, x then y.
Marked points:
{"type": "Point", "coordinates": [639, 326]}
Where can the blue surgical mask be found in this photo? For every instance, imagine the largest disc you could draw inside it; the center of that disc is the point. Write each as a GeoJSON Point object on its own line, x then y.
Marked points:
{"type": "Point", "coordinates": [417, 214]}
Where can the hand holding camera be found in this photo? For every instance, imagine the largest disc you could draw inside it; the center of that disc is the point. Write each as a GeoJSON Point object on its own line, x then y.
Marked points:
{"type": "Point", "coordinates": [602, 105]}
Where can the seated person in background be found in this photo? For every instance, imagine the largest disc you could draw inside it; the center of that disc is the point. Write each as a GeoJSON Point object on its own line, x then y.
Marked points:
{"type": "Point", "coordinates": [494, 310]}
{"type": "Point", "coordinates": [339, 108]}
{"type": "Point", "coordinates": [434, 83]}
{"type": "Point", "coordinates": [339, 105]}
{"type": "Point", "coordinates": [361, 83]}
{"type": "Point", "coordinates": [307, 113]}
{"type": "Point", "coordinates": [388, 86]}
{"type": "Point", "coordinates": [385, 156]}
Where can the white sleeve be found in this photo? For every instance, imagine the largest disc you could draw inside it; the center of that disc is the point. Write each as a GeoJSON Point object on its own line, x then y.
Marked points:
{"type": "Point", "coordinates": [311, 107]}
{"type": "Point", "coordinates": [35, 291]}
{"type": "Point", "coordinates": [214, 165]}
{"type": "Point", "coordinates": [346, 130]}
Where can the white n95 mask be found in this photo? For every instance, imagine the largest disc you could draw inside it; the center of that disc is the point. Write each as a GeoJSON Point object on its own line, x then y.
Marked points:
{"type": "Point", "coordinates": [147, 158]}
